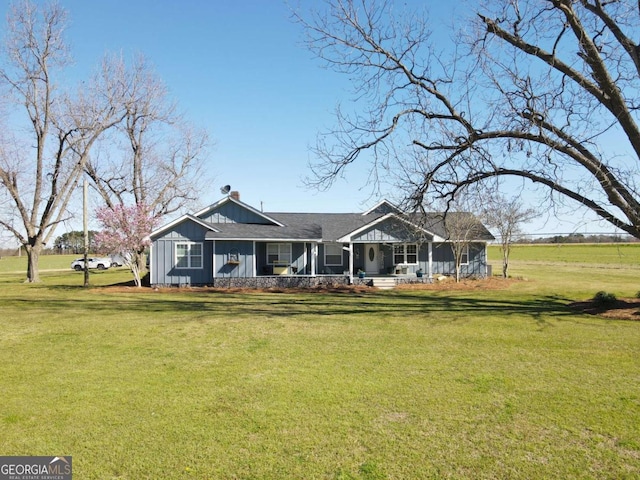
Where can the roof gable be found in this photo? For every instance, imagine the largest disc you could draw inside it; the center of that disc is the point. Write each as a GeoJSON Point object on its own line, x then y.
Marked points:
{"type": "Point", "coordinates": [383, 207]}
{"type": "Point", "coordinates": [232, 210]}
{"type": "Point", "coordinates": [410, 231]}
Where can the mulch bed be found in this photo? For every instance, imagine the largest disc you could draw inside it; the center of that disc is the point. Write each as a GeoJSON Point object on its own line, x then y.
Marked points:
{"type": "Point", "coordinates": [449, 283]}
{"type": "Point", "coordinates": [319, 289]}
{"type": "Point", "coordinates": [621, 309]}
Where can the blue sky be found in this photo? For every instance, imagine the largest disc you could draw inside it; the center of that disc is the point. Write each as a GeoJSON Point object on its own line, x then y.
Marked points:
{"type": "Point", "coordinates": [240, 70]}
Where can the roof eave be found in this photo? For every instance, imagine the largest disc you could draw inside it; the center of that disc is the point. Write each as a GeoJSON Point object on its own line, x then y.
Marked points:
{"type": "Point", "coordinates": [178, 221]}
{"type": "Point", "coordinates": [265, 239]}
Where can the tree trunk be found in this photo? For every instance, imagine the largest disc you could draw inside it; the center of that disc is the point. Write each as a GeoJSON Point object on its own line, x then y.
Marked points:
{"type": "Point", "coordinates": [136, 275]}
{"type": "Point", "coordinates": [138, 267]}
{"type": "Point", "coordinates": [505, 265]}
{"type": "Point", "coordinates": [33, 261]}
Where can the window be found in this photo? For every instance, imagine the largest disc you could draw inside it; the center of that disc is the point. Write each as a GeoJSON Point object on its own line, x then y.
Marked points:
{"type": "Point", "coordinates": [398, 254]}
{"type": "Point", "coordinates": [333, 254]}
{"type": "Point", "coordinates": [188, 255]}
{"type": "Point", "coordinates": [405, 253]}
{"type": "Point", "coordinates": [279, 253]}
{"type": "Point", "coordinates": [464, 255]}
{"type": "Point", "coordinates": [412, 253]}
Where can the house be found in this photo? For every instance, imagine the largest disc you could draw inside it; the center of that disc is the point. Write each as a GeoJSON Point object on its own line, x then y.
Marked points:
{"type": "Point", "coordinates": [231, 243]}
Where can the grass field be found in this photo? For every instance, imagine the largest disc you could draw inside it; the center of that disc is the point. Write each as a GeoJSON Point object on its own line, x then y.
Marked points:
{"type": "Point", "coordinates": [605, 255]}
{"type": "Point", "coordinates": [505, 383]}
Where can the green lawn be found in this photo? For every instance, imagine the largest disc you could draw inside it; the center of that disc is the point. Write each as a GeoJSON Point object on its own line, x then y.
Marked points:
{"type": "Point", "coordinates": [48, 263]}
{"type": "Point", "coordinates": [578, 270]}
{"type": "Point", "coordinates": [402, 384]}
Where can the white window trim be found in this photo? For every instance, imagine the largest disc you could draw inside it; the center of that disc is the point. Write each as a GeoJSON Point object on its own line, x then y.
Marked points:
{"type": "Point", "coordinates": [339, 246]}
{"type": "Point", "coordinates": [189, 244]}
{"type": "Point", "coordinates": [280, 261]}
{"type": "Point", "coordinates": [405, 254]}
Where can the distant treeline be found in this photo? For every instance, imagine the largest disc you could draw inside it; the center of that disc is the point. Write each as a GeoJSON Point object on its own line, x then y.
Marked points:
{"type": "Point", "coordinates": [67, 243]}
{"type": "Point", "coordinates": [580, 238]}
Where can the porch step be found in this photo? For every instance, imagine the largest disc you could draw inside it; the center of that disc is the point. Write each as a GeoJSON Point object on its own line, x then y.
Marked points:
{"type": "Point", "coordinates": [384, 283]}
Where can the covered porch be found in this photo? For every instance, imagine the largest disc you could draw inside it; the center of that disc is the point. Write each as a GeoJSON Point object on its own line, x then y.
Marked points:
{"type": "Point", "coordinates": [393, 260]}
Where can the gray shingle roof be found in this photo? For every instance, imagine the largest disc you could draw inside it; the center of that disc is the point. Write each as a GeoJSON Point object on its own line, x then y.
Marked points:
{"type": "Point", "coordinates": [334, 225]}
{"type": "Point", "coordinates": [250, 231]}
{"type": "Point", "coordinates": [329, 227]}
{"type": "Point", "coordinates": [434, 222]}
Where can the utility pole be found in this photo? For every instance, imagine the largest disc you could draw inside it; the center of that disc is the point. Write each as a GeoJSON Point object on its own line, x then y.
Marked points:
{"type": "Point", "coordinates": [85, 224]}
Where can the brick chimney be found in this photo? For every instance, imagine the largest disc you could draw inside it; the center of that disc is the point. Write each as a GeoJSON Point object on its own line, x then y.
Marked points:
{"type": "Point", "coordinates": [235, 195]}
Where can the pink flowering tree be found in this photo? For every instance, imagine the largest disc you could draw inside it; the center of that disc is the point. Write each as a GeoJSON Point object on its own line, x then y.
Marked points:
{"type": "Point", "coordinates": [125, 231]}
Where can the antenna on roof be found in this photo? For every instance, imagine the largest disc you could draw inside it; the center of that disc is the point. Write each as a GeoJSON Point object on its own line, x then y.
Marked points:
{"type": "Point", "coordinates": [225, 190]}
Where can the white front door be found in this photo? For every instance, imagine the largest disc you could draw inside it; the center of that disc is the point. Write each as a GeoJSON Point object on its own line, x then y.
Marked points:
{"type": "Point", "coordinates": [371, 262]}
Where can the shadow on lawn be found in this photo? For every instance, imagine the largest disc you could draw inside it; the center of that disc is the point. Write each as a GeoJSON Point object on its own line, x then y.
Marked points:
{"type": "Point", "coordinates": [219, 305]}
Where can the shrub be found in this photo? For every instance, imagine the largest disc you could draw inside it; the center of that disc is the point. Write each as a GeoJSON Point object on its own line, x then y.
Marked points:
{"type": "Point", "coordinates": [603, 298]}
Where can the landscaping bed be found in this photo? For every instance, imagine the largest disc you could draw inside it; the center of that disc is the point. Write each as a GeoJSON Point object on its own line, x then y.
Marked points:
{"type": "Point", "coordinates": [621, 309]}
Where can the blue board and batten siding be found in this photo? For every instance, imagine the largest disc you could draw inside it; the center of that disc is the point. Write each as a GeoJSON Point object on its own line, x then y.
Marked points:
{"type": "Point", "coordinates": [233, 259]}
{"type": "Point", "coordinates": [388, 231]}
{"type": "Point", "coordinates": [234, 213]}
{"type": "Point", "coordinates": [163, 260]}
{"type": "Point", "coordinates": [331, 269]}
{"type": "Point", "coordinates": [443, 260]}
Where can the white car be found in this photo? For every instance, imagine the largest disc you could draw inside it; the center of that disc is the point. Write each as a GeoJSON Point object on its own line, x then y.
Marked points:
{"type": "Point", "coordinates": [94, 262]}
{"type": "Point", "coordinates": [117, 260]}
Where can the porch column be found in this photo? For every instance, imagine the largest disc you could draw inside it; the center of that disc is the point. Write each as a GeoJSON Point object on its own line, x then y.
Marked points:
{"type": "Point", "coordinates": [255, 260]}
{"type": "Point", "coordinates": [486, 259]}
{"type": "Point", "coordinates": [314, 256]}
{"type": "Point", "coordinates": [350, 263]}
{"type": "Point", "coordinates": [213, 261]}
{"type": "Point", "coordinates": [430, 260]}
{"type": "Point", "coordinates": [305, 257]}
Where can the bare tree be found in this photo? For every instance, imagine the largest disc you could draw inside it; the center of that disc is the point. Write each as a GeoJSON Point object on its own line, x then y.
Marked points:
{"type": "Point", "coordinates": [462, 226]}
{"type": "Point", "coordinates": [43, 154]}
{"type": "Point", "coordinates": [161, 155]}
{"type": "Point", "coordinates": [461, 234]}
{"type": "Point", "coordinates": [546, 91]}
{"type": "Point", "coordinates": [506, 216]}
{"type": "Point", "coordinates": [155, 157]}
